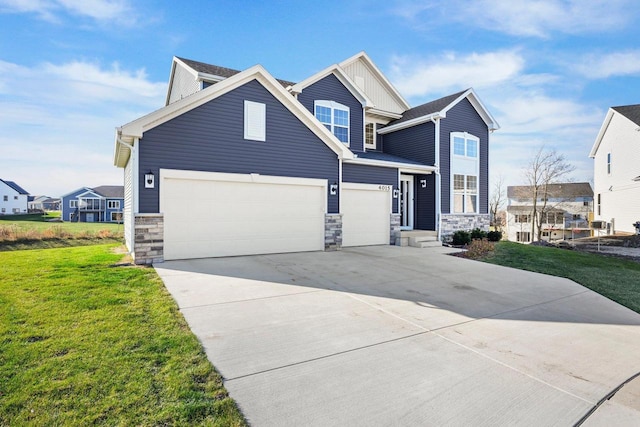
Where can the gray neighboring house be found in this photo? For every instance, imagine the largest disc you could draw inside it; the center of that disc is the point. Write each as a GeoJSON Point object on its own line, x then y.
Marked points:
{"type": "Point", "coordinates": [43, 203]}
{"type": "Point", "coordinates": [568, 212]}
{"type": "Point", "coordinates": [98, 204]}
{"type": "Point", "coordinates": [239, 163]}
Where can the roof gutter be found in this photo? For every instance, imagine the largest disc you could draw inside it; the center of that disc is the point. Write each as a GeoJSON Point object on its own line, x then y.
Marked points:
{"type": "Point", "coordinates": [413, 122]}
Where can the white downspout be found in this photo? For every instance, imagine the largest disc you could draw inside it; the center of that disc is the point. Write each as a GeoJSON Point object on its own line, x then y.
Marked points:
{"type": "Point", "coordinates": [436, 122]}
{"type": "Point", "coordinates": [134, 185]}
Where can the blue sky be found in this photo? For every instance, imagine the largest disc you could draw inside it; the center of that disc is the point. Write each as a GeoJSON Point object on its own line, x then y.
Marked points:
{"type": "Point", "coordinates": [73, 70]}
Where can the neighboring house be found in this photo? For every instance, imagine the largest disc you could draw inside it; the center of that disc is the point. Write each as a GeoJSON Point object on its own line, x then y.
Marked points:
{"type": "Point", "coordinates": [239, 163]}
{"type": "Point", "coordinates": [13, 198]}
{"type": "Point", "coordinates": [567, 214]}
{"type": "Point", "coordinates": [616, 169]}
{"type": "Point", "coordinates": [99, 204]}
{"type": "Point", "coordinates": [43, 203]}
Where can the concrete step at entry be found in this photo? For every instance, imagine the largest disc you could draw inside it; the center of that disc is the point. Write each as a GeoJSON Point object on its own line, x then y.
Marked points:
{"type": "Point", "coordinates": [419, 238]}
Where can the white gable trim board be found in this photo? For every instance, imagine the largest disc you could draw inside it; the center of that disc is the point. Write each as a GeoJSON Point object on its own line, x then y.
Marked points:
{"type": "Point", "coordinates": [240, 214]}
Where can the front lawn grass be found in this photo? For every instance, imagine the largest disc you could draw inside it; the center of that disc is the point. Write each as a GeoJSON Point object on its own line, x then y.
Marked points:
{"type": "Point", "coordinates": [83, 342]}
{"type": "Point", "coordinates": [615, 278]}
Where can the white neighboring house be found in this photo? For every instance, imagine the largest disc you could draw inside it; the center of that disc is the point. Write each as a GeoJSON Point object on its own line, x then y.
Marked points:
{"type": "Point", "coordinates": [616, 169]}
{"type": "Point", "coordinates": [13, 198]}
{"type": "Point", "coordinates": [567, 213]}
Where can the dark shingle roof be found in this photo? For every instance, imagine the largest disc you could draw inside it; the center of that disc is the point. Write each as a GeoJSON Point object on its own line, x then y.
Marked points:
{"type": "Point", "coordinates": [216, 70]}
{"type": "Point", "coordinates": [428, 108]}
{"type": "Point", "coordinates": [110, 191]}
{"type": "Point", "coordinates": [566, 190]}
{"type": "Point", "coordinates": [15, 186]}
{"type": "Point", "coordinates": [631, 112]}
{"type": "Point", "coordinates": [377, 155]}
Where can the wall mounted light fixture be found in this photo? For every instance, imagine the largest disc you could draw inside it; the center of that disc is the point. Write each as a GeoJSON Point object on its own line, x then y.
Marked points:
{"type": "Point", "coordinates": [149, 180]}
{"type": "Point", "coordinates": [396, 193]}
{"type": "Point", "coordinates": [423, 183]}
{"type": "Point", "coordinates": [333, 189]}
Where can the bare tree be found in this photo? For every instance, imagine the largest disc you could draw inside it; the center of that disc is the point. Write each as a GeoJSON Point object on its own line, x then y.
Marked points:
{"type": "Point", "coordinates": [496, 203]}
{"type": "Point", "coordinates": [545, 168]}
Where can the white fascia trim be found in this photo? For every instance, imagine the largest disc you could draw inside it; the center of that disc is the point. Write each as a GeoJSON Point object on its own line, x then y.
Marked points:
{"type": "Point", "coordinates": [171, 74]}
{"type": "Point", "coordinates": [412, 122]}
{"type": "Point", "coordinates": [342, 76]}
{"type": "Point", "coordinates": [405, 167]}
{"type": "Point", "coordinates": [603, 130]}
{"type": "Point", "coordinates": [384, 113]}
{"type": "Point", "coordinates": [376, 71]}
{"type": "Point", "coordinates": [138, 127]}
{"type": "Point", "coordinates": [479, 107]}
{"type": "Point", "coordinates": [74, 191]}
{"type": "Point", "coordinates": [97, 196]}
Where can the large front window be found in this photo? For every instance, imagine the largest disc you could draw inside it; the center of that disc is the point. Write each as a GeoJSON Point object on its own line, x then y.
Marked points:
{"type": "Point", "coordinates": [465, 145]}
{"type": "Point", "coordinates": [335, 117]}
{"type": "Point", "coordinates": [465, 194]}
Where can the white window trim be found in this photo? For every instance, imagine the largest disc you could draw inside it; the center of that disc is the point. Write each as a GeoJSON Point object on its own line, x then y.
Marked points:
{"type": "Point", "coordinates": [113, 204]}
{"type": "Point", "coordinates": [609, 163]}
{"type": "Point", "coordinates": [465, 193]}
{"type": "Point", "coordinates": [117, 213]}
{"type": "Point", "coordinates": [375, 139]}
{"type": "Point", "coordinates": [255, 121]}
{"type": "Point", "coordinates": [466, 136]}
{"type": "Point", "coordinates": [453, 172]}
{"type": "Point", "coordinates": [334, 106]}
{"type": "Point", "coordinates": [73, 204]}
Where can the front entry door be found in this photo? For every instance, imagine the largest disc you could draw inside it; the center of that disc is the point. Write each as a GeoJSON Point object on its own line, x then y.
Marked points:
{"type": "Point", "coordinates": [406, 202]}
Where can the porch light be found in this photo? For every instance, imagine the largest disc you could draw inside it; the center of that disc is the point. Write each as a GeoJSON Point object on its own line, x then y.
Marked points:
{"type": "Point", "coordinates": [149, 180]}
{"type": "Point", "coordinates": [333, 189]}
{"type": "Point", "coordinates": [396, 193]}
{"type": "Point", "coordinates": [423, 183]}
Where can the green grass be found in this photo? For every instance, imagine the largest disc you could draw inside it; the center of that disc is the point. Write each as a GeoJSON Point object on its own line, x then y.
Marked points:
{"type": "Point", "coordinates": [615, 278]}
{"type": "Point", "coordinates": [82, 342]}
{"type": "Point", "coordinates": [36, 222]}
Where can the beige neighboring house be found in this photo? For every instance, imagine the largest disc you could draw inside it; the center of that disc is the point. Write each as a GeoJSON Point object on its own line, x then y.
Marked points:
{"type": "Point", "coordinates": [567, 213]}
{"type": "Point", "coordinates": [616, 169]}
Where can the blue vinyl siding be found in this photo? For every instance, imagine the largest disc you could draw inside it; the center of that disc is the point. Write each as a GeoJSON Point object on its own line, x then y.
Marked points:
{"type": "Point", "coordinates": [425, 203]}
{"type": "Point", "coordinates": [107, 213]}
{"type": "Point", "coordinates": [414, 143]}
{"type": "Point", "coordinates": [371, 175]}
{"type": "Point", "coordinates": [66, 210]}
{"type": "Point", "coordinates": [211, 138]}
{"type": "Point", "coordinates": [330, 89]}
{"type": "Point", "coordinates": [464, 118]}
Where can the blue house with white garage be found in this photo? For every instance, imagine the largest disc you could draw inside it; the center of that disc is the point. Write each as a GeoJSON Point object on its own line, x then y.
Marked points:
{"type": "Point", "coordinates": [239, 163]}
{"type": "Point", "coordinates": [98, 204]}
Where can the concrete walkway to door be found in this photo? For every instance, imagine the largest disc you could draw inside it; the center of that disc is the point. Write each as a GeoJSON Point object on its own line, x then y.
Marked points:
{"type": "Point", "coordinates": [388, 335]}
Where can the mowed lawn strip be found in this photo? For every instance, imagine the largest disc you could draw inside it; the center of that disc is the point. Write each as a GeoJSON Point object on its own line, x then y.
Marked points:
{"type": "Point", "coordinates": [82, 342]}
{"type": "Point", "coordinates": [615, 278]}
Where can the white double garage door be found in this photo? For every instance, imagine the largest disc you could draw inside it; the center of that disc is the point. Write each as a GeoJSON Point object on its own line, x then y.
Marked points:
{"type": "Point", "coordinates": [210, 214]}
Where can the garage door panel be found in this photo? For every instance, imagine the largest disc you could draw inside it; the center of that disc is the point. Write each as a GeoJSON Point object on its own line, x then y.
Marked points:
{"type": "Point", "coordinates": [366, 215]}
{"type": "Point", "coordinates": [227, 218]}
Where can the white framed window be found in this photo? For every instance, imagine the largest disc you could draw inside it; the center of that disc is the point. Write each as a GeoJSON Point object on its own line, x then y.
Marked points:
{"type": "Point", "coordinates": [116, 216]}
{"type": "Point", "coordinates": [16, 210]}
{"type": "Point", "coordinates": [465, 193]}
{"type": "Point", "coordinates": [4, 210]}
{"type": "Point", "coordinates": [335, 117]}
{"type": "Point", "coordinates": [608, 163]}
{"type": "Point", "coordinates": [523, 236]}
{"type": "Point", "coordinates": [5, 198]}
{"type": "Point", "coordinates": [370, 135]}
{"type": "Point", "coordinates": [15, 197]}
{"type": "Point", "coordinates": [113, 204]}
{"type": "Point", "coordinates": [73, 204]}
{"type": "Point", "coordinates": [465, 144]}
{"type": "Point", "coordinates": [255, 121]}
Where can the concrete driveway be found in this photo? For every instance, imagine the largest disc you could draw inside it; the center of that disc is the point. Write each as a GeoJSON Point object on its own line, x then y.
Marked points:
{"type": "Point", "coordinates": [387, 335]}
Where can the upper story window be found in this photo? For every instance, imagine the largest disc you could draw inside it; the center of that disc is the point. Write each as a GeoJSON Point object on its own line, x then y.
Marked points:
{"type": "Point", "coordinates": [608, 163]}
{"type": "Point", "coordinates": [113, 204]}
{"type": "Point", "coordinates": [73, 204]}
{"type": "Point", "coordinates": [255, 121]}
{"type": "Point", "coordinates": [5, 198]}
{"type": "Point", "coordinates": [335, 117]}
{"type": "Point", "coordinates": [465, 144]}
{"type": "Point", "coordinates": [370, 135]}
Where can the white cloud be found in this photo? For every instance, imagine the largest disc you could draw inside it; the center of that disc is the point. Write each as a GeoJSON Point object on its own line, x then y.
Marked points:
{"type": "Point", "coordinates": [58, 131]}
{"type": "Point", "coordinates": [529, 18]}
{"type": "Point", "coordinates": [451, 72]}
{"type": "Point", "coordinates": [103, 11]}
{"type": "Point", "coordinates": [608, 65]}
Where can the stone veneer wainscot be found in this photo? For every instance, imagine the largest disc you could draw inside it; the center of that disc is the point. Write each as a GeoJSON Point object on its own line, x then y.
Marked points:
{"type": "Point", "coordinates": [454, 222]}
{"type": "Point", "coordinates": [148, 246]}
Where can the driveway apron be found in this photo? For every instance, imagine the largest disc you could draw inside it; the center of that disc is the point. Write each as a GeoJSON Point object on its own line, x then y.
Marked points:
{"type": "Point", "coordinates": [386, 335]}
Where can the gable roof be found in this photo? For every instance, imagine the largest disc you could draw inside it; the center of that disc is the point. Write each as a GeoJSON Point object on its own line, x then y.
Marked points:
{"type": "Point", "coordinates": [561, 190]}
{"type": "Point", "coordinates": [631, 112]}
{"type": "Point", "coordinates": [342, 76]}
{"type": "Point", "coordinates": [110, 191]}
{"type": "Point", "coordinates": [127, 134]}
{"type": "Point", "coordinates": [438, 109]}
{"type": "Point", "coordinates": [362, 56]}
{"type": "Point", "coordinates": [15, 186]}
{"type": "Point", "coordinates": [215, 73]}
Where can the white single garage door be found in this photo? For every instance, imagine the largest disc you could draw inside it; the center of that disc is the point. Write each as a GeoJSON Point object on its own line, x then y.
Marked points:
{"type": "Point", "coordinates": [366, 214]}
{"type": "Point", "coordinates": [218, 214]}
